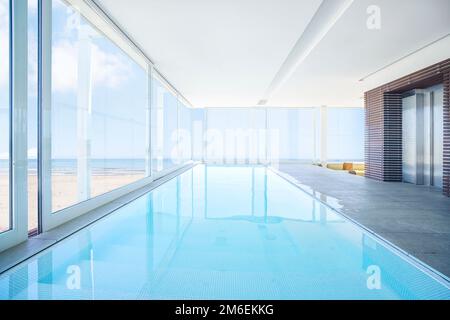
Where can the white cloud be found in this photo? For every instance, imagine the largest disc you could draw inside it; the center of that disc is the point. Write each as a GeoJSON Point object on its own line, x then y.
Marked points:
{"type": "Point", "coordinates": [3, 8]}
{"type": "Point", "coordinates": [107, 69]}
{"type": "Point", "coordinates": [32, 153]}
{"type": "Point", "coordinates": [32, 5]}
{"type": "Point", "coordinates": [64, 66]}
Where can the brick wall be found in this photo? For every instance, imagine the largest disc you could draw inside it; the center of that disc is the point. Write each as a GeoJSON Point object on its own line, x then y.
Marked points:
{"type": "Point", "coordinates": [446, 176]}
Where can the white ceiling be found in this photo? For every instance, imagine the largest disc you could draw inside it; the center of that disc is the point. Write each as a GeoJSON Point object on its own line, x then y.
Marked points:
{"type": "Point", "coordinates": [226, 53]}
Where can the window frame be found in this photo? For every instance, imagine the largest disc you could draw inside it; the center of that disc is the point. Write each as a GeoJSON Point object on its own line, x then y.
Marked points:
{"type": "Point", "coordinates": [18, 123]}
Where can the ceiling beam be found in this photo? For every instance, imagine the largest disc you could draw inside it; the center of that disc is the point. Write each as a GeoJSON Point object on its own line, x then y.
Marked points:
{"type": "Point", "coordinates": [323, 20]}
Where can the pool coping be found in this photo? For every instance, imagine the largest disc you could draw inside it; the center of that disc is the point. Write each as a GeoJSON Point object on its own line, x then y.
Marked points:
{"type": "Point", "coordinates": [16, 255]}
{"type": "Point", "coordinates": [430, 271]}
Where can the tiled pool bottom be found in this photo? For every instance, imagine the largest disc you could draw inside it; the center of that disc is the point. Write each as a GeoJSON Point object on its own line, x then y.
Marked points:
{"type": "Point", "coordinates": [222, 233]}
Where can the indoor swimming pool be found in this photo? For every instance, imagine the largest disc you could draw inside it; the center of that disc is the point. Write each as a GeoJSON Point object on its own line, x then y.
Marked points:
{"type": "Point", "coordinates": [223, 232]}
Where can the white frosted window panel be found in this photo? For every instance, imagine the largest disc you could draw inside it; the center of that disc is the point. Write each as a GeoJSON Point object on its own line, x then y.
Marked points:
{"type": "Point", "coordinates": [291, 134]}
{"type": "Point", "coordinates": [157, 126]}
{"type": "Point", "coordinates": [171, 154]}
{"type": "Point", "coordinates": [345, 134]}
{"type": "Point", "coordinates": [235, 135]}
{"type": "Point", "coordinates": [197, 117]}
{"type": "Point", "coordinates": [257, 152]}
{"type": "Point", "coordinates": [185, 133]}
{"type": "Point", "coordinates": [306, 134]}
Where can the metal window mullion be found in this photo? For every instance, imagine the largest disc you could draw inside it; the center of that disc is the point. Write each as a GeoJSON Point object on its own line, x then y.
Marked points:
{"type": "Point", "coordinates": [180, 150]}
{"type": "Point", "coordinates": [10, 117]}
{"type": "Point", "coordinates": [148, 133]}
{"type": "Point", "coordinates": [44, 113]}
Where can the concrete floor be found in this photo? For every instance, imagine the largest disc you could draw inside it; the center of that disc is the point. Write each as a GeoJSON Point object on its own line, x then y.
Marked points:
{"type": "Point", "coordinates": [414, 218]}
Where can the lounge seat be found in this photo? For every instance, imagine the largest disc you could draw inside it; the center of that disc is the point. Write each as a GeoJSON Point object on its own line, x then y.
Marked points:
{"type": "Point", "coordinates": [352, 168]}
{"type": "Point", "coordinates": [359, 167]}
{"type": "Point", "coordinates": [335, 166]}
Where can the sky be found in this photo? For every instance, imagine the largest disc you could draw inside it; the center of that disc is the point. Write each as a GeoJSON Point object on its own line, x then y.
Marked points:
{"type": "Point", "coordinates": [119, 90]}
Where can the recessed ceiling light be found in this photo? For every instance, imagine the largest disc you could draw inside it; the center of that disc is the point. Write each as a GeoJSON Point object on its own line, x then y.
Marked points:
{"type": "Point", "coordinates": [262, 102]}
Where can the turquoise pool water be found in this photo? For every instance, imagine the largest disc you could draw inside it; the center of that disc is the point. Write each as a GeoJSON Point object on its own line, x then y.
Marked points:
{"type": "Point", "coordinates": [222, 233]}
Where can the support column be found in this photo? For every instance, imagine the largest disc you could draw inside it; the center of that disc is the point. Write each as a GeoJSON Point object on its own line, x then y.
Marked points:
{"type": "Point", "coordinates": [446, 132]}
{"type": "Point", "coordinates": [323, 135]}
{"type": "Point", "coordinates": [205, 136]}
{"type": "Point", "coordinates": [148, 125]}
{"type": "Point", "coordinates": [392, 139]}
{"type": "Point", "coordinates": [159, 129]}
{"type": "Point", "coordinates": [315, 158]}
{"type": "Point", "coordinates": [266, 137]}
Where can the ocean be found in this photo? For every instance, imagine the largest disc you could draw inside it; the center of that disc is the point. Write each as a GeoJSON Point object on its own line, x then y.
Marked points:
{"type": "Point", "coordinates": [98, 166]}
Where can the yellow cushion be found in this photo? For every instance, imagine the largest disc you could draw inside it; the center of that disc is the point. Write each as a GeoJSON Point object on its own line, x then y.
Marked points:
{"type": "Point", "coordinates": [359, 166]}
{"type": "Point", "coordinates": [348, 166]}
{"type": "Point", "coordinates": [335, 166]}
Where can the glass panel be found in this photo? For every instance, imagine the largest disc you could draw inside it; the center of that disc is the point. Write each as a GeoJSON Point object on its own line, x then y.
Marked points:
{"type": "Point", "coordinates": [291, 134]}
{"type": "Point", "coordinates": [345, 135]}
{"type": "Point", "coordinates": [99, 100]}
{"type": "Point", "coordinates": [197, 137]}
{"type": "Point", "coordinates": [157, 119]}
{"type": "Point", "coordinates": [280, 145]}
{"type": "Point", "coordinates": [171, 156]}
{"type": "Point", "coordinates": [306, 134]}
{"type": "Point", "coordinates": [5, 220]}
{"type": "Point", "coordinates": [185, 133]}
{"type": "Point", "coordinates": [258, 147]}
{"type": "Point", "coordinates": [239, 135]}
{"type": "Point", "coordinates": [235, 135]}
{"type": "Point", "coordinates": [165, 114]}
{"type": "Point", "coordinates": [225, 135]}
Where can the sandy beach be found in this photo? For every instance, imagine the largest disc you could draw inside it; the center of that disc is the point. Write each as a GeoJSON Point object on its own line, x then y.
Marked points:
{"type": "Point", "coordinates": [64, 191]}
{"type": "Point", "coordinates": [4, 194]}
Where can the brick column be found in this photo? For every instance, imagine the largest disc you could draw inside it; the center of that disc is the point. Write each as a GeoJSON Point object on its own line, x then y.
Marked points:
{"type": "Point", "coordinates": [446, 153]}
{"type": "Point", "coordinates": [392, 152]}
